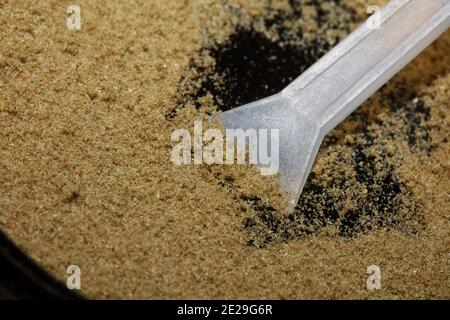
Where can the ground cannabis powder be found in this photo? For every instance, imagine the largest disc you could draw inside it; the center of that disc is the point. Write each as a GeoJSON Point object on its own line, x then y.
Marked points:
{"type": "Point", "coordinates": [85, 175]}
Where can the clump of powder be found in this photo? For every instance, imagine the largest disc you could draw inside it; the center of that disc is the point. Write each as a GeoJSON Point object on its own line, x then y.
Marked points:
{"type": "Point", "coordinates": [86, 176]}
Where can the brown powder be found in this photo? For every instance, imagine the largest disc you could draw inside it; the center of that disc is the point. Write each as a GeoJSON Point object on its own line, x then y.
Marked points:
{"type": "Point", "coordinates": [86, 118]}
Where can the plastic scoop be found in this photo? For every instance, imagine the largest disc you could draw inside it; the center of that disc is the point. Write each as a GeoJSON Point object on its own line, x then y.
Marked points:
{"type": "Point", "coordinates": [325, 94]}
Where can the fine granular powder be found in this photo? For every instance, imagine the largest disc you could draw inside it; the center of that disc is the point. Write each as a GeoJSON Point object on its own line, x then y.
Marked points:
{"type": "Point", "coordinates": [86, 118]}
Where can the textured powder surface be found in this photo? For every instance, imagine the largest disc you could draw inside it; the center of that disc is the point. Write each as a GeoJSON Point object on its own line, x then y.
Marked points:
{"type": "Point", "coordinates": [86, 178]}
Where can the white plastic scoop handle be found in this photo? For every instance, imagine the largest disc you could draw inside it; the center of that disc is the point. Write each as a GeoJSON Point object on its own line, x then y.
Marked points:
{"type": "Point", "coordinates": [325, 94]}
